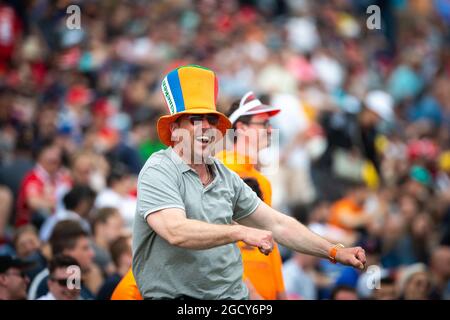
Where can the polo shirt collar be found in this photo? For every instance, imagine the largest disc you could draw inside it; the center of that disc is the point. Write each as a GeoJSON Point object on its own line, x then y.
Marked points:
{"type": "Point", "coordinates": [183, 166]}
{"type": "Point", "coordinates": [178, 161]}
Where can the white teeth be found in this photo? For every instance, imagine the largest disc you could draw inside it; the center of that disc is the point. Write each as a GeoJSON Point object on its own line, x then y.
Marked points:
{"type": "Point", "coordinates": [203, 139]}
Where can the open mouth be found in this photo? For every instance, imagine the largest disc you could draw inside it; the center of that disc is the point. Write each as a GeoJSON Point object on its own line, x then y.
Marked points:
{"type": "Point", "coordinates": [204, 139]}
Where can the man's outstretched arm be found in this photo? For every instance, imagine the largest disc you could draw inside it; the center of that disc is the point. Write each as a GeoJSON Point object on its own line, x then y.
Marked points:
{"type": "Point", "coordinates": [173, 225]}
{"type": "Point", "coordinates": [292, 234]}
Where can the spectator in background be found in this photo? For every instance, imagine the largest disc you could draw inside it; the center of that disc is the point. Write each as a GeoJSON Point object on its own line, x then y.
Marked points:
{"type": "Point", "coordinates": [26, 241]}
{"type": "Point", "coordinates": [351, 153]}
{"type": "Point", "coordinates": [117, 195]}
{"type": "Point", "coordinates": [318, 219]}
{"type": "Point", "coordinates": [43, 187]}
{"type": "Point", "coordinates": [387, 289]}
{"type": "Point", "coordinates": [29, 248]}
{"type": "Point", "coordinates": [107, 226]}
{"type": "Point", "coordinates": [250, 120]}
{"type": "Point", "coordinates": [344, 292]}
{"type": "Point", "coordinates": [12, 27]}
{"type": "Point", "coordinates": [348, 213]}
{"type": "Point", "coordinates": [300, 278]}
{"type": "Point", "coordinates": [107, 136]}
{"type": "Point", "coordinates": [73, 115]}
{"type": "Point", "coordinates": [78, 203]}
{"type": "Point", "coordinates": [13, 171]}
{"type": "Point", "coordinates": [127, 155]}
{"type": "Point", "coordinates": [13, 281]}
{"type": "Point", "coordinates": [440, 271]}
{"type": "Point", "coordinates": [61, 283]}
{"type": "Point", "coordinates": [6, 199]}
{"type": "Point", "coordinates": [89, 169]}
{"type": "Point", "coordinates": [414, 282]}
{"type": "Point", "coordinates": [378, 107]}
{"type": "Point", "coordinates": [122, 257]}
{"type": "Point", "coordinates": [11, 174]}
{"type": "Point", "coordinates": [144, 135]}
{"type": "Point", "coordinates": [70, 239]}
{"type": "Point", "coordinates": [410, 243]}
{"type": "Point", "coordinates": [418, 183]}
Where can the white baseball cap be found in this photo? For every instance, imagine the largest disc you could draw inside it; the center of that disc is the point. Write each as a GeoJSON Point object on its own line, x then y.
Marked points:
{"type": "Point", "coordinates": [250, 105]}
{"type": "Point", "coordinates": [381, 103]}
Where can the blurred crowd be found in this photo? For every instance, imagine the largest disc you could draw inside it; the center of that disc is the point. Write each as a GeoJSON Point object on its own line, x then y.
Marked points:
{"type": "Point", "coordinates": [364, 133]}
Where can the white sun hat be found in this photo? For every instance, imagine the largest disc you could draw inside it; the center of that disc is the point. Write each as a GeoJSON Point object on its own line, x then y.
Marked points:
{"type": "Point", "coordinates": [250, 105]}
{"type": "Point", "coordinates": [381, 103]}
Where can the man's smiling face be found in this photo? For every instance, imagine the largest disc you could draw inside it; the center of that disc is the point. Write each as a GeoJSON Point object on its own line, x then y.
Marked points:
{"type": "Point", "coordinates": [197, 134]}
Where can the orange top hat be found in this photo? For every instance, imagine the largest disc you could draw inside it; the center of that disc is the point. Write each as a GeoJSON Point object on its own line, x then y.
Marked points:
{"type": "Point", "coordinates": [189, 89]}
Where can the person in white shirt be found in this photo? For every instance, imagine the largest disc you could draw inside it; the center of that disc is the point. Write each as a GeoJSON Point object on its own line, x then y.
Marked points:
{"type": "Point", "coordinates": [78, 203]}
{"type": "Point", "coordinates": [63, 283]}
{"type": "Point", "coordinates": [117, 195]}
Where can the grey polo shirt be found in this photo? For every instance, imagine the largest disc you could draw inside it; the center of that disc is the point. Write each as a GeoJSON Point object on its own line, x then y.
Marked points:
{"type": "Point", "coordinates": [165, 271]}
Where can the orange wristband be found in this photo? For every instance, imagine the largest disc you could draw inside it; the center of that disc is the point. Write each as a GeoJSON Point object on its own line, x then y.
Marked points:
{"type": "Point", "coordinates": [333, 252]}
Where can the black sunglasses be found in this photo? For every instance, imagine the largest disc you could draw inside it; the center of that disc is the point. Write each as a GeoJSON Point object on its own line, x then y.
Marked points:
{"type": "Point", "coordinates": [213, 119]}
{"type": "Point", "coordinates": [265, 124]}
{"type": "Point", "coordinates": [61, 282]}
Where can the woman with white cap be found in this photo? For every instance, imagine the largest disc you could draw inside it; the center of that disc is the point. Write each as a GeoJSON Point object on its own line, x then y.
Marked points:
{"type": "Point", "coordinates": [252, 129]}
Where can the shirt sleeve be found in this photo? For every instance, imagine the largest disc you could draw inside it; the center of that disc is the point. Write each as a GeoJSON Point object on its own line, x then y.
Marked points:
{"type": "Point", "coordinates": [158, 189]}
{"type": "Point", "coordinates": [246, 201]}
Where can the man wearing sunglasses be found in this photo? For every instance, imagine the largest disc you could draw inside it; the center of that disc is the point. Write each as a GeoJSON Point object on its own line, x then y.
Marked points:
{"type": "Point", "coordinates": [252, 133]}
{"type": "Point", "coordinates": [60, 284]}
{"type": "Point", "coordinates": [13, 281]}
{"type": "Point", "coordinates": [184, 239]}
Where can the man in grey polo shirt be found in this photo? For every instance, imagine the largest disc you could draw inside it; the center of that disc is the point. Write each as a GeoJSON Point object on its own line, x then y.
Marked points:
{"type": "Point", "coordinates": [184, 236]}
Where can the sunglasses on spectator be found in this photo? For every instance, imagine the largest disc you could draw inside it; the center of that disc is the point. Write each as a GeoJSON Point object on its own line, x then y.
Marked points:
{"type": "Point", "coordinates": [61, 282]}
{"type": "Point", "coordinates": [17, 274]}
{"type": "Point", "coordinates": [212, 119]}
{"type": "Point", "coordinates": [265, 124]}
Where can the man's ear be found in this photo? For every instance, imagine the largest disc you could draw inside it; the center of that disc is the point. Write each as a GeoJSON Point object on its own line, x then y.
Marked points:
{"type": "Point", "coordinates": [173, 126]}
{"type": "Point", "coordinates": [67, 252]}
{"type": "Point", "coordinates": [2, 279]}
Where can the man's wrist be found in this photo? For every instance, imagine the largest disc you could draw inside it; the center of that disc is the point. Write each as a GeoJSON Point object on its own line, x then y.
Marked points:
{"type": "Point", "coordinates": [332, 253]}
{"type": "Point", "coordinates": [238, 233]}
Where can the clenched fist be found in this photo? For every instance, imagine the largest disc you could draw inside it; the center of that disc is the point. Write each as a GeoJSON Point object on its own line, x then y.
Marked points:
{"type": "Point", "coordinates": [259, 238]}
{"type": "Point", "coordinates": [355, 257]}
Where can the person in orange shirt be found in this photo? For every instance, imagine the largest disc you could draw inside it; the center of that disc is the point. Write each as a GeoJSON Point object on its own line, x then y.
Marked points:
{"type": "Point", "coordinates": [348, 213]}
{"type": "Point", "coordinates": [252, 130]}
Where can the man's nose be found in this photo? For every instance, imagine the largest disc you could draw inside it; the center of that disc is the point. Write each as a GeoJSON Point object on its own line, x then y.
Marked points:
{"type": "Point", "coordinates": [205, 123]}
{"type": "Point", "coordinates": [91, 253]}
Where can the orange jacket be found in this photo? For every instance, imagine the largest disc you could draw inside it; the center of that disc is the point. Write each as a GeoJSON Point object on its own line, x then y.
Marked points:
{"type": "Point", "coordinates": [341, 208]}
{"type": "Point", "coordinates": [264, 272]}
{"type": "Point", "coordinates": [127, 289]}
